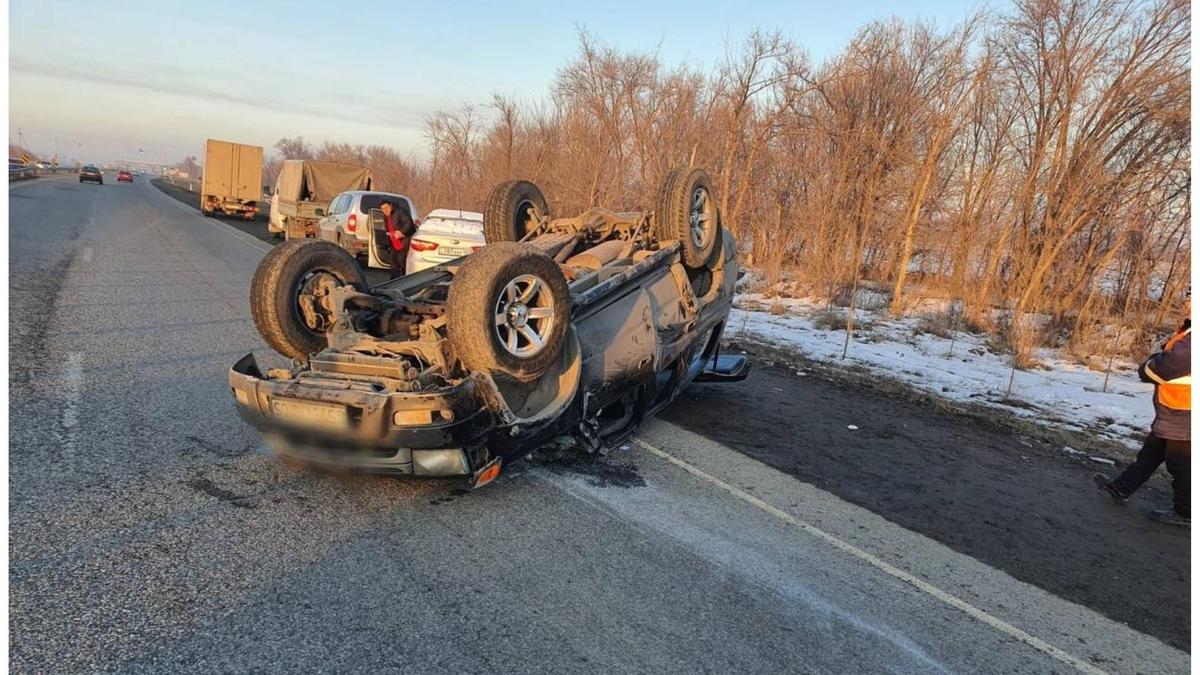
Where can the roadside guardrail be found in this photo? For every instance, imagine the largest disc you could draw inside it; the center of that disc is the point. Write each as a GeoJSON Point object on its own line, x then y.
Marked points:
{"type": "Point", "coordinates": [16, 172]}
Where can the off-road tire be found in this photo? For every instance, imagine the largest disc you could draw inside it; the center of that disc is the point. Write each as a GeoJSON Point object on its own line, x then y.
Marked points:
{"type": "Point", "coordinates": [673, 211]}
{"type": "Point", "coordinates": [505, 211]}
{"type": "Point", "coordinates": [471, 310]}
{"type": "Point", "coordinates": [276, 283]}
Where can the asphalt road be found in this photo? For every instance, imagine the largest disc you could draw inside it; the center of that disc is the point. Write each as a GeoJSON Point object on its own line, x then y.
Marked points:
{"type": "Point", "coordinates": [150, 532]}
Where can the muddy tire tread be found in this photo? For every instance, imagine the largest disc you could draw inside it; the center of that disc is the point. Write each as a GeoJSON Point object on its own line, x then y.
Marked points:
{"type": "Point", "coordinates": [671, 214]}
{"type": "Point", "coordinates": [498, 210]}
{"type": "Point", "coordinates": [274, 312]}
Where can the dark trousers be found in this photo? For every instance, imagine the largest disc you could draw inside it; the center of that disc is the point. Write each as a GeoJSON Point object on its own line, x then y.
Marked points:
{"type": "Point", "coordinates": [1155, 451]}
{"type": "Point", "coordinates": [397, 260]}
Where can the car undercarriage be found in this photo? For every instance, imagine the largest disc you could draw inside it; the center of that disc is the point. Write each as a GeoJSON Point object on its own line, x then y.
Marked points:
{"type": "Point", "coordinates": [578, 326]}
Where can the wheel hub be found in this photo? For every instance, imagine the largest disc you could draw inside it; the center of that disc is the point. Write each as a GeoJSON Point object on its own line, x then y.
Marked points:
{"type": "Point", "coordinates": [518, 315]}
{"type": "Point", "coordinates": [312, 299]}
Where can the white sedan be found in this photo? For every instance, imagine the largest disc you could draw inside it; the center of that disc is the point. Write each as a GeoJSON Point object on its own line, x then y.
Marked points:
{"type": "Point", "coordinates": [444, 234]}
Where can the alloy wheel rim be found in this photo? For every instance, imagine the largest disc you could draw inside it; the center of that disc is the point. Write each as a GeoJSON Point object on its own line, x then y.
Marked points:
{"type": "Point", "coordinates": [524, 315]}
{"type": "Point", "coordinates": [699, 215]}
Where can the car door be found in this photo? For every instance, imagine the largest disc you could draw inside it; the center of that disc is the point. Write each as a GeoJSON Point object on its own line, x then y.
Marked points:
{"type": "Point", "coordinates": [377, 241]}
{"type": "Point", "coordinates": [326, 225]}
{"type": "Point", "coordinates": [332, 223]}
{"type": "Point", "coordinates": [274, 219]}
{"type": "Point", "coordinates": [378, 245]}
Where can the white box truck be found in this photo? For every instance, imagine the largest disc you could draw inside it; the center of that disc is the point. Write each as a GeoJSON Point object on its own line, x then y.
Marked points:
{"type": "Point", "coordinates": [232, 180]}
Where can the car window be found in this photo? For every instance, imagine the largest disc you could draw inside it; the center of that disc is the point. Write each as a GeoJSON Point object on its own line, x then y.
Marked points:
{"type": "Point", "coordinates": [369, 202]}
{"type": "Point", "coordinates": [372, 201]}
{"type": "Point", "coordinates": [339, 205]}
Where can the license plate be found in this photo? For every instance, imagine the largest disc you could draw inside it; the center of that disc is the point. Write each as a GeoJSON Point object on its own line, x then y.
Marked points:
{"type": "Point", "coordinates": [454, 252]}
{"type": "Point", "coordinates": [311, 413]}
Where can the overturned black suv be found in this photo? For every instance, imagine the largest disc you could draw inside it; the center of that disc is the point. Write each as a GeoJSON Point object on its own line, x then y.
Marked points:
{"type": "Point", "coordinates": [576, 326]}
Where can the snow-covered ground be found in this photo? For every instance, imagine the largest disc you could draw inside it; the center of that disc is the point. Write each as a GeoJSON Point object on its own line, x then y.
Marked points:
{"type": "Point", "coordinates": [1061, 393]}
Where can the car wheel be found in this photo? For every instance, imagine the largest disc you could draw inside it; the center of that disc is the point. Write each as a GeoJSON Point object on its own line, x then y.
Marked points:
{"type": "Point", "coordinates": [687, 211]}
{"type": "Point", "coordinates": [287, 288]}
{"type": "Point", "coordinates": [507, 311]}
{"type": "Point", "coordinates": [506, 214]}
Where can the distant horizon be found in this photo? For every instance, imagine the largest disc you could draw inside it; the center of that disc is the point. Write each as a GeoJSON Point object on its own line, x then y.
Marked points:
{"type": "Point", "coordinates": [163, 78]}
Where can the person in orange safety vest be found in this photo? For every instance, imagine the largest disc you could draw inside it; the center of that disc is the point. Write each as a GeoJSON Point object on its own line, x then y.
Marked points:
{"type": "Point", "coordinates": [1169, 440]}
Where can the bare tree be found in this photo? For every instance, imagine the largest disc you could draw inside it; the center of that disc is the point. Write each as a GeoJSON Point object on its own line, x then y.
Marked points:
{"type": "Point", "coordinates": [294, 148]}
{"type": "Point", "coordinates": [1029, 168]}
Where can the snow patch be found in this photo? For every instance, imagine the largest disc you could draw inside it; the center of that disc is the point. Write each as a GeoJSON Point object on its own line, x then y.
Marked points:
{"type": "Point", "coordinates": [960, 367]}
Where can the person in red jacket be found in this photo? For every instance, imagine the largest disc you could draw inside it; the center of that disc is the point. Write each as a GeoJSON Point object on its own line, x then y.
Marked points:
{"type": "Point", "coordinates": [400, 227]}
{"type": "Point", "coordinates": [1169, 440]}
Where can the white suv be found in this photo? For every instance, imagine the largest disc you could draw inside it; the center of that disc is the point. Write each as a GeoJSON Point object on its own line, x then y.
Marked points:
{"type": "Point", "coordinates": [348, 221]}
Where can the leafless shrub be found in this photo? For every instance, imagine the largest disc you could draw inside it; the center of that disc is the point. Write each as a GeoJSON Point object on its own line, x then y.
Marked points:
{"type": "Point", "coordinates": [940, 325]}
{"type": "Point", "coordinates": [830, 320]}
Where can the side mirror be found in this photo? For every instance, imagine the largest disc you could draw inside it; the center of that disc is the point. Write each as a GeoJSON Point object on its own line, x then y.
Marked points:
{"type": "Point", "coordinates": [320, 212]}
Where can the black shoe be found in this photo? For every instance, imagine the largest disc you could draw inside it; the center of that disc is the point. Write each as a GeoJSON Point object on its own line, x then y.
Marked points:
{"type": "Point", "coordinates": [1170, 517]}
{"type": "Point", "coordinates": [1106, 485]}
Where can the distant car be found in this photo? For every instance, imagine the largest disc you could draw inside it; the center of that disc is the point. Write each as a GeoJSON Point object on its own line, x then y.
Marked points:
{"type": "Point", "coordinates": [444, 235]}
{"type": "Point", "coordinates": [347, 223]}
{"type": "Point", "coordinates": [91, 174]}
{"type": "Point", "coordinates": [124, 176]}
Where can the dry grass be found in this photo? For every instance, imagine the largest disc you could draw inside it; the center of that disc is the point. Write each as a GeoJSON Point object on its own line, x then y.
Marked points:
{"type": "Point", "coordinates": [830, 319]}
{"type": "Point", "coordinates": [940, 325]}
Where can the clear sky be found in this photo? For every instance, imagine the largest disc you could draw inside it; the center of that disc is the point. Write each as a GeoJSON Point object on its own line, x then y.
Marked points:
{"type": "Point", "coordinates": [100, 80]}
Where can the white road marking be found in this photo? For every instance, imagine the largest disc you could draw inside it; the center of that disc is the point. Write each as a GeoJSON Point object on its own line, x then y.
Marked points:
{"type": "Point", "coordinates": [883, 566]}
{"type": "Point", "coordinates": [72, 391]}
{"type": "Point", "coordinates": [233, 232]}
{"type": "Point", "coordinates": [657, 512]}
{"type": "Point", "coordinates": [239, 235]}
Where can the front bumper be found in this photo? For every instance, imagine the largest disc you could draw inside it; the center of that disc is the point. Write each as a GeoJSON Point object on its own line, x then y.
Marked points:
{"type": "Point", "coordinates": [371, 440]}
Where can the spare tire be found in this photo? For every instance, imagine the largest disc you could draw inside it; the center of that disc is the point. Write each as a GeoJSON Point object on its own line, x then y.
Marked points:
{"type": "Point", "coordinates": [292, 275]}
{"type": "Point", "coordinates": [507, 311]}
{"type": "Point", "coordinates": [506, 212]}
{"type": "Point", "coordinates": [687, 211]}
